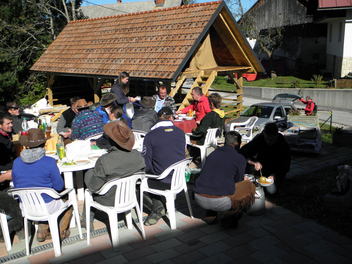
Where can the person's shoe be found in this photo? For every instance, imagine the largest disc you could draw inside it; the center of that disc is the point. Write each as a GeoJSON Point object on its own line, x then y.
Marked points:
{"type": "Point", "coordinates": [65, 234]}
{"type": "Point", "coordinates": [230, 221]}
{"type": "Point", "coordinates": [153, 218]}
{"type": "Point", "coordinates": [42, 236]}
{"type": "Point", "coordinates": [210, 220]}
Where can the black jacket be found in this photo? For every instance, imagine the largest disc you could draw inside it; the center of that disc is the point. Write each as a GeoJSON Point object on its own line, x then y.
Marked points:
{"type": "Point", "coordinates": [7, 154]}
{"type": "Point", "coordinates": [211, 120]}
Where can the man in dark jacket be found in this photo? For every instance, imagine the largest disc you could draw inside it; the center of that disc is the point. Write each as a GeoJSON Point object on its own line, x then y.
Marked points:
{"type": "Point", "coordinates": [269, 153]}
{"type": "Point", "coordinates": [145, 117]}
{"type": "Point", "coordinates": [65, 121]}
{"type": "Point", "coordinates": [14, 110]}
{"type": "Point", "coordinates": [221, 185]}
{"type": "Point", "coordinates": [7, 154]}
{"type": "Point", "coordinates": [121, 161]}
{"type": "Point", "coordinates": [213, 119]}
{"type": "Point", "coordinates": [162, 146]}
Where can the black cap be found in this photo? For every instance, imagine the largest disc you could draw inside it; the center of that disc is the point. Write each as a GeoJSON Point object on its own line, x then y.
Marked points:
{"type": "Point", "coordinates": [165, 111]}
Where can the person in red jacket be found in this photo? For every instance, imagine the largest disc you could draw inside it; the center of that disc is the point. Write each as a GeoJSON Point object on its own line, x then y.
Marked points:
{"type": "Point", "coordinates": [309, 110]}
{"type": "Point", "coordinates": [200, 104]}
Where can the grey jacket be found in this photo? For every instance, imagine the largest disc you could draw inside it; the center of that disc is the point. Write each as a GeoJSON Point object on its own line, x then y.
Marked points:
{"type": "Point", "coordinates": [115, 164]}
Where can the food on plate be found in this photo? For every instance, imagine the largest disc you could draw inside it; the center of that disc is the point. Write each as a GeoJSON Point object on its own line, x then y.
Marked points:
{"type": "Point", "coordinates": [264, 180]}
{"type": "Point", "coordinates": [68, 163]}
{"type": "Point", "coordinates": [82, 161]}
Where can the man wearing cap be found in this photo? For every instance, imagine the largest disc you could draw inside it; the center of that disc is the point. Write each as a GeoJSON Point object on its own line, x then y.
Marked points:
{"type": "Point", "coordinates": [87, 123]}
{"type": "Point", "coordinates": [145, 117]}
{"type": "Point", "coordinates": [7, 154]}
{"type": "Point", "coordinates": [104, 109]}
{"type": "Point", "coordinates": [14, 110]}
{"type": "Point", "coordinates": [121, 161]}
{"type": "Point", "coordinates": [163, 145]}
{"type": "Point", "coordinates": [34, 169]}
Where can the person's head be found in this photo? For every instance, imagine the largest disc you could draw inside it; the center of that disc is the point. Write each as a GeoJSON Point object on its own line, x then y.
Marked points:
{"type": "Point", "coordinates": [107, 100]}
{"type": "Point", "coordinates": [308, 98]}
{"type": "Point", "coordinates": [233, 139]}
{"type": "Point", "coordinates": [165, 113]}
{"type": "Point", "coordinates": [124, 81]}
{"type": "Point", "coordinates": [6, 122]}
{"type": "Point", "coordinates": [13, 108]}
{"type": "Point", "coordinates": [196, 93]}
{"type": "Point", "coordinates": [81, 104]}
{"type": "Point", "coordinates": [115, 112]}
{"type": "Point", "coordinates": [34, 138]}
{"type": "Point", "coordinates": [163, 90]}
{"type": "Point", "coordinates": [73, 103]}
{"type": "Point", "coordinates": [147, 102]}
{"type": "Point", "coordinates": [120, 135]}
{"type": "Point", "coordinates": [271, 133]}
{"type": "Point", "coordinates": [215, 100]}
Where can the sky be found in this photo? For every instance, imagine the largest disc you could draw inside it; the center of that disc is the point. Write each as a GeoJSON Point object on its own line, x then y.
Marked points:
{"type": "Point", "coordinates": [246, 3]}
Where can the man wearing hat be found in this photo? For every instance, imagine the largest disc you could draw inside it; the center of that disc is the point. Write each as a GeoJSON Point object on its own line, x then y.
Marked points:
{"type": "Point", "coordinates": [34, 169]}
{"type": "Point", "coordinates": [145, 117]}
{"type": "Point", "coordinates": [87, 123]}
{"type": "Point", "coordinates": [14, 110]}
{"type": "Point", "coordinates": [164, 145]}
{"type": "Point", "coordinates": [121, 161]}
{"type": "Point", "coordinates": [106, 102]}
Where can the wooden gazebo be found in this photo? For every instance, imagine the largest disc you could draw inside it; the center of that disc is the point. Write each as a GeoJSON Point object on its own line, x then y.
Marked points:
{"type": "Point", "coordinates": [191, 41]}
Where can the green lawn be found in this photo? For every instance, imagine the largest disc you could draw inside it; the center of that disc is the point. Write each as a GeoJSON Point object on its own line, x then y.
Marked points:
{"type": "Point", "coordinates": [221, 83]}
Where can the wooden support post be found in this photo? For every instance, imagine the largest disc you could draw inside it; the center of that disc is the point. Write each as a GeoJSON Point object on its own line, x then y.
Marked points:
{"type": "Point", "coordinates": [49, 91]}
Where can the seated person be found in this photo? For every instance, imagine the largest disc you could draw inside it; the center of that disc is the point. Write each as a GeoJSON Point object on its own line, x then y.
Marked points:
{"type": "Point", "coordinates": [145, 117]}
{"type": "Point", "coordinates": [162, 99]}
{"type": "Point", "coordinates": [200, 104]}
{"type": "Point", "coordinates": [14, 110]}
{"type": "Point", "coordinates": [221, 185]}
{"type": "Point", "coordinates": [162, 146]}
{"type": "Point", "coordinates": [87, 123]}
{"type": "Point", "coordinates": [121, 161]}
{"type": "Point", "coordinates": [7, 153]}
{"type": "Point", "coordinates": [34, 169]}
{"type": "Point", "coordinates": [213, 119]}
{"type": "Point", "coordinates": [65, 121]}
{"type": "Point", "coordinates": [269, 153]}
{"type": "Point", "coordinates": [106, 102]}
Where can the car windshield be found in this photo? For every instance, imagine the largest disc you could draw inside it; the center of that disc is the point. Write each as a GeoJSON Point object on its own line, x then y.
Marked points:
{"type": "Point", "coordinates": [261, 111]}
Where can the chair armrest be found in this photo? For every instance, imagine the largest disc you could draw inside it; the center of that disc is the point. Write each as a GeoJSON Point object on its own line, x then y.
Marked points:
{"type": "Point", "coordinates": [64, 192]}
{"type": "Point", "coordinates": [151, 176]}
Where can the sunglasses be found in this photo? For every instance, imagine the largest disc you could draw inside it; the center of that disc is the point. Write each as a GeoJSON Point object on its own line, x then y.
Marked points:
{"type": "Point", "coordinates": [15, 108]}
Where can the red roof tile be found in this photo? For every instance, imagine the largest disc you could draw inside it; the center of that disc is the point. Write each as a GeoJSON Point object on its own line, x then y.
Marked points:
{"type": "Point", "coordinates": [335, 3]}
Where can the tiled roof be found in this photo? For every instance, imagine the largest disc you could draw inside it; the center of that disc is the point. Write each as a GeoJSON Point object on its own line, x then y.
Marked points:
{"type": "Point", "coordinates": [94, 11]}
{"type": "Point", "coordinates": [151, 44]}
{"type": "Point", "coordinates": [335, 3]}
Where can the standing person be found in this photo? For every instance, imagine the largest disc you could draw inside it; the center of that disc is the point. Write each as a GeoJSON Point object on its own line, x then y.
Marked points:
{"type": "Point", "coordinates": [221, 185]}
{"type": "Point", "coordinates": [7, 153]}
{"type": "Point", "coordinates": [14, 110]}
{"type": "Point", "coordinates": [106, 103]}
{"type": "Point", "coordinates": [269, 153]}
{"type": "Point", "coordinates": [65, 121]}
{"type": "Point", "coordinates": [200, 104]}
{"type": "Point", "coordinates": [121, 89]}
{"type": "Point", "coordinates": [309, 110]}
{"type": "Point", "coordinates": [145, 117]}
{"type": "Point", "coordinates": [162, 99]}
{"type": "Point", "coordinates": [34, 169]}
{"type": "Point", "coordinates": [163, 146]}
{"type": "Point", "coordinates": [121, 161]}
{"type": "Point", "coordinates": [213, 119]}
{"type": "Point", "coordinates": [87, 123]}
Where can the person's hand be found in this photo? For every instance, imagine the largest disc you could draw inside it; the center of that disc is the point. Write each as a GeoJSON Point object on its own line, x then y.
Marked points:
{"type": "Point", "coordinates": [246, 178]}
{"type": "Point", "coordinates": [179, 112]}
{"type": "Point", "coordinates": [257, 165]}
{"type": "Point", "coordinates": [66, 134]}
{"type": "Point", "coordinates": [272, 177]}
{"type": "Point", "coordinates": [93, 143]}
{"type": "Point", "coordinates": [198, 122]}
{"type": "Point", "coordinates": [132, 99]}
{"type": "Point", "coordinates": [7, 176]}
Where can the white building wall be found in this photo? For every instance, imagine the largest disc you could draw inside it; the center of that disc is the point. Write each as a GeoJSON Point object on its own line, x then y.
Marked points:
{"type": "Point", "coordinates": [347, 49]}
{"type": "Point", "coordinates": [333, 45]}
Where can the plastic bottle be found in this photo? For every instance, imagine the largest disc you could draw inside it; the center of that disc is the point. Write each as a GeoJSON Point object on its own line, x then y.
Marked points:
{"type": "Point", "coordinates": [24, 124]}
{"type": "Point", "coordinates": [60, 148]}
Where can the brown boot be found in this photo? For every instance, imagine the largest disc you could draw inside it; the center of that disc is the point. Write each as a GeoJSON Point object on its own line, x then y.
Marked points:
{"type": "Point", "coordinates": [65, 224]}
{"type": "Point", "coordinates": [43, 232]}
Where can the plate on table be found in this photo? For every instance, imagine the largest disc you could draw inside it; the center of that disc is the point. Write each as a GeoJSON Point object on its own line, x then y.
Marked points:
{"type": "Point", "coordinates": [177, 120]}
{"type": "Point", "coordinates": [267, 182]}
{"type": "Point", "coordinates": [82, 162]}
{"type": "Point", "coordinates": [188, 117]}
{"type": "Point", "coordinates": [50, 152]}
{"type": "Point", "coordinates": [182, 115]}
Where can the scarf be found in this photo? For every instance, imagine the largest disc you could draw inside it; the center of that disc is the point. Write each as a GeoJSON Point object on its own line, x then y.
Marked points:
{"type": "Point", "coordinates": [32, 155]}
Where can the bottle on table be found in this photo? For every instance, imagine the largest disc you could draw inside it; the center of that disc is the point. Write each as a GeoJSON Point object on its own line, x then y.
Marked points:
{"type": "Point", "coordinates": [60, 148]}
{"type": "Point", "coordinates": [24, 124]}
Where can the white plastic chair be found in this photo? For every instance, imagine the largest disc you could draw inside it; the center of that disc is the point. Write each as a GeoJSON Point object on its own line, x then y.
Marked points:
{"type": "Point", "coordinates": [245, 128]}
{"type": "Point", "coordinates": [125, 200]}
{"type": "Point", "coordinates": [138, 139]}
{"type": "Point", "coordinates": [210, 141]}
{"type": "Point", "coordinates": [34, 209]}
{"type": "Point", "coordinates": [5, 231]}
{"type": "Point", "coordinates": [178, 183]}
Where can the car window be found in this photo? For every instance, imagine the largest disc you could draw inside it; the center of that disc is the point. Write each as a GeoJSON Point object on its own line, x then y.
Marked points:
{"type": "Point", "coordinates": [278, 112]}
{"type": "Point", "coordinates": [288, 110]}
{"type": "Point", "coordinates": [261, 111]}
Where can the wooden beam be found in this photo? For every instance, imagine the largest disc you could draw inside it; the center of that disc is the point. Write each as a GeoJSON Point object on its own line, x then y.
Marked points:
{"type": "Point", "coordinates": [49, 91]}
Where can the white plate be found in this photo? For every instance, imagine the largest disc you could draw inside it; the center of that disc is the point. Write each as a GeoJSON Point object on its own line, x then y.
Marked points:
{"type": "Point", "coordinates": [82, 162]}
{"type": "Point", "coordinates": [177, 120]}
{"type": "Point", "coordinates": [50, 152]}
{"type": "Point", "coordinates": [182, 115]}
{"type": "Point", "coordinates": [188, 117]}
{"type": "Point", "coordinates": [265, 184]}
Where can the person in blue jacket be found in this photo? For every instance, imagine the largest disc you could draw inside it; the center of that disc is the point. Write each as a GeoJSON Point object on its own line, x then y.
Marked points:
{"type": "Point", "coordinates": [106, 103]}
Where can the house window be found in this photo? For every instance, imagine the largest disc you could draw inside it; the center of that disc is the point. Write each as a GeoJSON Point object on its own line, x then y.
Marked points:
{"type": "Point", "coordinates": [340, 31]}
{"type": "Point", "coordinates": [330, 32]}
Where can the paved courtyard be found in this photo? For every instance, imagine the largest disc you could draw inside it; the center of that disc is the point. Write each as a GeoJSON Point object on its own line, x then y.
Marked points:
{"type": "Point", "coordinates": [278, 236]}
